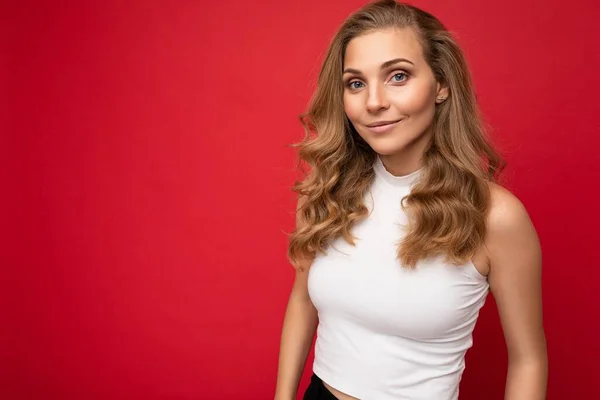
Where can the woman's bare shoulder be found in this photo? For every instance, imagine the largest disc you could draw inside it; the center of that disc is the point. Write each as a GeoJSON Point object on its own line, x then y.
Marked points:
{"type": "Point", "coordinates": [506, 210]}
{"type": "Point", "coordinates": [511, 237]}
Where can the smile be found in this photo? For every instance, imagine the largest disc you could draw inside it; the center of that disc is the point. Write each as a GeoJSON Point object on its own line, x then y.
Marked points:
{"type": "Point", "coordinates": [383, 127]}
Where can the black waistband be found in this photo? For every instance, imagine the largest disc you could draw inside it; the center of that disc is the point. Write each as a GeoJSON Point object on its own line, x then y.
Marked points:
{"type": "Point", "coordinates": [317, 391]}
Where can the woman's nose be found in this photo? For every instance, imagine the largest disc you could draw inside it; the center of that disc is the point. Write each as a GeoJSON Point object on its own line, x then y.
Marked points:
{"type": "Point", "coordinates": [377, 99]}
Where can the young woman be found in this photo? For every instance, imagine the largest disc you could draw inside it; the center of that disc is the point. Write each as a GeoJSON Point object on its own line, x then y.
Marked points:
{"type": "Point", "coordinates": [401, 227]}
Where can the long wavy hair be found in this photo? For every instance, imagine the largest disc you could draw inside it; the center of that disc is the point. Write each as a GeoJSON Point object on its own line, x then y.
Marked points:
{"type": "Point", "coordinates": [448, 204]}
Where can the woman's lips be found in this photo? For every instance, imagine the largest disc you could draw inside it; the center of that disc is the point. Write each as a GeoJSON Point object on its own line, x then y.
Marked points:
{"type": "Point", "coordinates": [383, 128]}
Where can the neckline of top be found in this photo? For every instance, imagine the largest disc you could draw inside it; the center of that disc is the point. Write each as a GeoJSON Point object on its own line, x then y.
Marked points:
{"type": "Point", "coordinates": [402, 181]}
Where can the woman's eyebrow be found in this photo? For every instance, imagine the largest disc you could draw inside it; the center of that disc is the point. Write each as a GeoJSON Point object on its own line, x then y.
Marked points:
{"type": "Point", "coordinates": [383, 66]}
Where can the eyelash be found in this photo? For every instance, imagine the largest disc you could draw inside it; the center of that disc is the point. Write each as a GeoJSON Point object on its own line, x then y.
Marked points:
{"type": "Point", "coordinates": [349, 84]}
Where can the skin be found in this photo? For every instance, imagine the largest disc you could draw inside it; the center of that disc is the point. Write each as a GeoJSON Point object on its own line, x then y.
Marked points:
{"type": "Point", "coordinates": [510, 256]}
{"type": "Point", "coordinates": [406, 90]}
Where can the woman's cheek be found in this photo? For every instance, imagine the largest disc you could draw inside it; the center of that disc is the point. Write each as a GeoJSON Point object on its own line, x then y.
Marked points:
{"type": "Point", "coordinates": [413, 100]}
{"type": "Point", "coordinates": [352, 108]}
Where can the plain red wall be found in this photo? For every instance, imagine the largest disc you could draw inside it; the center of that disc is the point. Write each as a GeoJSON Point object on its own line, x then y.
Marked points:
{"type": "Point", "coordinates": [147, 187]}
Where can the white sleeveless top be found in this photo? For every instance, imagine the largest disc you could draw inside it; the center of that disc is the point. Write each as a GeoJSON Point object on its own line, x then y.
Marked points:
{"type": "Point", "coordinates": [386, 332]}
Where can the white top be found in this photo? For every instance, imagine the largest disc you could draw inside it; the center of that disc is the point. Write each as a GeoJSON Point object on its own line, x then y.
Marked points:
{"type": "Point", "coordinates": [386, 332]}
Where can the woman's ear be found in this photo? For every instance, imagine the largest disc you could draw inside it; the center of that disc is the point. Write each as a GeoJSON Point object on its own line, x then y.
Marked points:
{"type": "Point", "coordinates": [442, 93]}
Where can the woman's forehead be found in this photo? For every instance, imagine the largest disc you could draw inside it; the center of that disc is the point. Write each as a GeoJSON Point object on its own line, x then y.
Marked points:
{"type": "Point", "coordinates": [372, 49]}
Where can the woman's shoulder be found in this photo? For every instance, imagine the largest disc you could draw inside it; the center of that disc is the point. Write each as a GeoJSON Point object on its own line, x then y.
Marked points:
{"type": "Point", "coordinates": [507, 222]}
{"type": "Point", "coordinates": [506, 210]}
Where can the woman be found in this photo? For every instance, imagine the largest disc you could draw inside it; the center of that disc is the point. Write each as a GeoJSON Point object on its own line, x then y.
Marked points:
{"type": "Point", "coordinates": [401, 227]}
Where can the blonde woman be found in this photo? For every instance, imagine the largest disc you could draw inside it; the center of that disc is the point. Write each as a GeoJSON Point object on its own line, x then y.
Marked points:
{"type": "Point", "coordinates": [401, 227]}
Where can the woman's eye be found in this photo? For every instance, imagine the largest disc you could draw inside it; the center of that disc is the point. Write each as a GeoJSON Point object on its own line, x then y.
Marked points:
{"type": "Point", "coordinates": [354, 85]}
{"type": "Point", "coordinates": [399, 74]}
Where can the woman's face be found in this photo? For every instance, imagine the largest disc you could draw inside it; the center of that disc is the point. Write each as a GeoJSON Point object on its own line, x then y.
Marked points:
{"type": "Point", "coordinates": [387, 81]}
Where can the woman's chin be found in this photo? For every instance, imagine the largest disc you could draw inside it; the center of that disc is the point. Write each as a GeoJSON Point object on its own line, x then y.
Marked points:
{"type": "Point", "coordinates": [387, 150]}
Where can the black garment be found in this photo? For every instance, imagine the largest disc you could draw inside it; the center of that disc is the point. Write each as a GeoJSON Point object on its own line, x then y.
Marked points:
{"type": "Point", "coordinates": [317, 391]}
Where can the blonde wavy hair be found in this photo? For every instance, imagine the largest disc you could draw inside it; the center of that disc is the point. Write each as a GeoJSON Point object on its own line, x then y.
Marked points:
{"type": "Point", "coordinates": [447, 205]}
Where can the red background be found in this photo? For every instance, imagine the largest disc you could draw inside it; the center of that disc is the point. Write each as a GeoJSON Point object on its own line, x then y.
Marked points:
{"type": "Point", "coordinates": [147, 186]}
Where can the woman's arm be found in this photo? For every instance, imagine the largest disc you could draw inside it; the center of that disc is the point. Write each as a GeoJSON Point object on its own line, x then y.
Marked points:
{"type": "Point", "coordinates": [299, 325]}
{"type": "Point", "coordinates": [515, 281]}
{"type": "Point", "coordinates": [298, 331]}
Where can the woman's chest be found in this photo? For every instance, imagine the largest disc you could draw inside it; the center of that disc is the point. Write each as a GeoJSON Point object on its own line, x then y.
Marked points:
{"type": "Point", "coordinates": [366, 283]}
